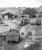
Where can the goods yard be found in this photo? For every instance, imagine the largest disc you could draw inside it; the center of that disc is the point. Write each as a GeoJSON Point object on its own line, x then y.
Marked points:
{"type": "Point", "coordinates": [20, 33]}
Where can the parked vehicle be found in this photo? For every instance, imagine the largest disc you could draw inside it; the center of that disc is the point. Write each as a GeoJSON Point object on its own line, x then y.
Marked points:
{"type": "Point", "coordinates": [24, 22]}
{"type": "Point", "coordinates": [13, 35]}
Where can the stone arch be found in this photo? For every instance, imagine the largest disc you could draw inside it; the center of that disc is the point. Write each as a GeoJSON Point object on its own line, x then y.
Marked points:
{"type": "Point", "coordinates": [33, 16]}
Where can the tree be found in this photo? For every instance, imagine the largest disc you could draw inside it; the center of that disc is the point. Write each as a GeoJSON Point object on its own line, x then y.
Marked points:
{"type": "Point", "coordinates": [30, 11]}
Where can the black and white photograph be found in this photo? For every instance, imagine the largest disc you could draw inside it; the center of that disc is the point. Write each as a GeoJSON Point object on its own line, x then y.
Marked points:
{"type": "Point", "coordinates": [20, 24]}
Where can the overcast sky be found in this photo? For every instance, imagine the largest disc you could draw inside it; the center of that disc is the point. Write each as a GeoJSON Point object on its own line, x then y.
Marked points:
{"type": "Point", "coordinates": [20, 3]}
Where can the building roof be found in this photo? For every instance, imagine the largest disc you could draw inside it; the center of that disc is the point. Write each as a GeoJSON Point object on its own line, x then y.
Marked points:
{"type": "Point", "coordinates": [15, 11]}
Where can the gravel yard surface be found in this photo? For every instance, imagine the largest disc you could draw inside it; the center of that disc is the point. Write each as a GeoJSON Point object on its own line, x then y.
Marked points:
{"type": "Point", "coordinates": [20, 45]}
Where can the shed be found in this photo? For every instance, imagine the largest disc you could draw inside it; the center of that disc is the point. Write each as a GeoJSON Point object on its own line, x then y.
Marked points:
{"type": "Point", "coordinates": [7, 15]}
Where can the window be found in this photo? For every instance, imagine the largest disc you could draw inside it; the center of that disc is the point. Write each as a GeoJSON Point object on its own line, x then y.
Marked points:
{"type": "Point", "coordinates": [22, 33]}
{"type": "Point", "coordinates": [30, 33]}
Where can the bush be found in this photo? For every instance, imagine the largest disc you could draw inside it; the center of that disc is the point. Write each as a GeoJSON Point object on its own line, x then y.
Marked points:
{"type": "Point", "coordinates": [34, 46]}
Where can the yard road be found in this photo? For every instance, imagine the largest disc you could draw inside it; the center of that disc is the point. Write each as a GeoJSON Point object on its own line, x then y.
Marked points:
{"type": "Point", "coordinates": [39, 30]}
{"type": "Point", "coordinates": [18, 46]}
{"type": "Point", "coordinates": [7, 25]}
{"type": "Point", "coordinates": [14, 46]}
{"type": "Point", "coordinates": [39, 34]}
